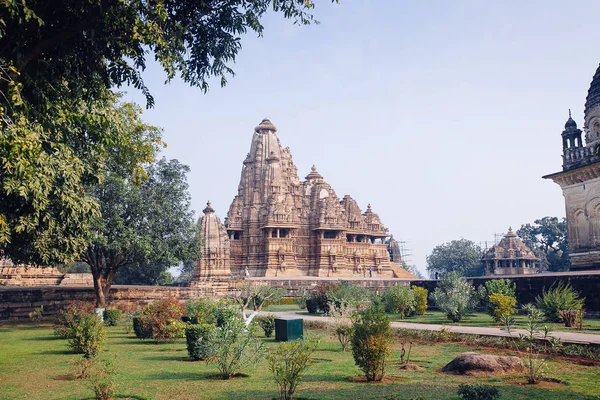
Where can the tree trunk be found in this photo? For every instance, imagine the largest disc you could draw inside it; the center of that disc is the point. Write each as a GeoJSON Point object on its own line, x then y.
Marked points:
{"type": "Point", "coordinates": [99, 291]}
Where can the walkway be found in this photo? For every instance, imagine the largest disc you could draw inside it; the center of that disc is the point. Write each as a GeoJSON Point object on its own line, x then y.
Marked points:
{"type": "Point", "coordinates": [565, 337]}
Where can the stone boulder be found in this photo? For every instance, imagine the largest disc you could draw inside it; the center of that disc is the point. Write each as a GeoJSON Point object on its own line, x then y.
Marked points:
{"type": "Point", "coordinates": [471, 363]}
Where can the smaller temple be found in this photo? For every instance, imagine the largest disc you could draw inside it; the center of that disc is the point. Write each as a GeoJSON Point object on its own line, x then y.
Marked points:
{"type": "Point", "coordinates": [214, 262]}
{"type": "Point", "coordinates": [510, 257]}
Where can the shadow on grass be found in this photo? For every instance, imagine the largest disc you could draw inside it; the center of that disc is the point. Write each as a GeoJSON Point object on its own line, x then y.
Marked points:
{"type": "Point", "coordinates": [170, 358]}
{"type": "Point", "coordinates": [59, 352]}
{"type": "Point", "coordinates": [49, 338]}
{"type": "Point", "coordinates": [188, 376]}
{"type": "Point", "coordinates": [123, 396]}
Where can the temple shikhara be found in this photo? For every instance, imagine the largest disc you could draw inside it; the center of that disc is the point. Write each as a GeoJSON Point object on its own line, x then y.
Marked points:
{"type": "Point", "coordinates": [280, 226]}
{"type": "Point", "coordinates": [580, 182]}
{"type": "Point", "coordinates": [510, 257]}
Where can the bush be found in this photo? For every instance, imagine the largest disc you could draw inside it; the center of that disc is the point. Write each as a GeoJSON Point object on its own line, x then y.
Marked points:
{"type": "Point", "coordinates": [420, 299]}
{"type": "Point", "coordinates": [112, 317]}
{"type": "Point", "coordinates": [478, 392]}
{"type": "Point", "coordinates": [454, 296]}
{"type": "Point", "coordinates": [141, 328]}
{"type": "Point", "coordinates": [503, 286]}
{"type": "Point", "coordinates": [371, 341]}
{"type": "Point", "coordinates": [70, 316]}
{"type": "Point", "coordinates": [199, 341]}
{"type": "Point", "coordinates": [559, 298]}
{"type": "Point", "coordinates": [235, 347]}
{"type": "Point", "coordinates": [267, 323]}
{"type": "Point", "coordinates": [399, 299]}
{"type": "Point", "coordinates": [163, 318]}
{"type": "Point", "coordinates": [103, 381]}
{"type": "Point", "coordinates": [201, 311]}
{"type": "Point", "coordinates": [288, 363]}
{"type": "Point", "coordinates": [310, 324]}
{"type": "Point", "coordinates": [87, 335]}
{"type": "Point", "coordinates": [37, 314]}
{"type": "Point", "coordinates": [504, 306]}
{"type": "Point", "coordinates": [311, 306]}
{"type": "Point", "coordinates": [223, 313]}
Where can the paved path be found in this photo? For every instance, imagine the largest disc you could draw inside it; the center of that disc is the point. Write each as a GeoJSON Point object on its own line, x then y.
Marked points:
{"type": "Point", "coordinates": [565, 337]}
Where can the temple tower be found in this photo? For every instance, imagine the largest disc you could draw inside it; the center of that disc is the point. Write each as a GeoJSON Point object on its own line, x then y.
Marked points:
{"type": "Point", "coordinates": [214, 261]}
{"type": "Point", "coordinates": [510, 257]}
{"type": "Point", "coordinates": [279, 226]}
{"type": "Point", "coordinates": [580, 183]}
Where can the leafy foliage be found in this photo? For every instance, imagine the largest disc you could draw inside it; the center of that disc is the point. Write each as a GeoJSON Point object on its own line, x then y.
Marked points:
{"type": "Point", "coordinates": [462, 256]}
{"type": "Point", "coordinates": [558, 298]}
{"type": "Point", "coordinates": [102, 376]}
{"type": "Point", "coordinates": [371, 341]}
{"type": "Point", "coordinates": [87, 335]}
{"type": "Point", "coordinates": [454, 295]}
{"type": "Point", "coordinates": [288, 363]}
{"type": "Point", "coordinates": [477, 392]}
{"type": "Point", "coordinates": [400, 299]}
{"type": "Point", "coordinates": [267, 323]}
{"type": "Point", "coordinates": [235, 347]}
{"type": "Point", "coordinates": [70, 316]}
{"type": "Point", "coordinates": [61, 127]}
{"type": "Point", "coordinates": [503, 305]}
{"type": "Point", "coordinates": [503, 286]}
{"type": "Point", "coordinates": [142, 226]}
{"type": "Point", "coordinates": [420, 299]}
{"type": "Point", "coordinates": [201, 311]}
{"type": "Point", "coordinates": [141, 327]}
{"type": "Point", "coordinates": [112, 317]}
{"type": "Point", "coordinates": [535, 333]}
{"type": "Point", "coordinates": [199, 341]}
{"type": "Point", "coordinates": [548, 238]}
{"type": "Point", "coordinates": [163, 318]}
{"type": "Point", "coordinates": [255, 296]}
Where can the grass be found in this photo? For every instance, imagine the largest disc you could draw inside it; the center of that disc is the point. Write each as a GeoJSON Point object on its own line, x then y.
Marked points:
{"type": "Point", "coordinates": [36, 365]}
{"type": "Point", "coordinates": [481, 319]}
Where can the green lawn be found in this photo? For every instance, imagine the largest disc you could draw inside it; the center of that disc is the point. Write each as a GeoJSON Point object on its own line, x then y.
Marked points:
{"type": "Point", "coordinates": [36, 365]}
{"type": "Point", "coordinates": [590, 325]}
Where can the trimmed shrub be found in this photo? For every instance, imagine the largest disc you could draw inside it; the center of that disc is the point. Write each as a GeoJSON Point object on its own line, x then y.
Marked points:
{"type": "Point", "coordinates": [310, 324]}
{"type": "Point", "coordinates": [478, 392]}
{"type": "Point", "coordinates": [70, 316]}
{"type": "Point", "coordinates": [141, 329]}
{"type": "Point", "coordinates": [559, 298]}
{"type": "Point", "coordinates": [267, 323]}
{"type": "Point", "coordinates": [311, 306]}
{"type": "Point", "coordinates": [504, 306]}
{"type": "Point", "coordinates": [87, 335]}
{"type": "Point", "coordinates": [454, 296]}
{"type": "Point", "coordinates": [112, 317]}
{"type": "Point", "coordinates": [399, 299]}
{"type": "Point", "coordinates": [163, 319]}
{"type": "Point", "coordinates": [371, 341]}
{"type": "Point", "coordinates": [198, 340]}
{"type": "Point", "coordinates": [420, 299]}
{"type": "Point", "coordinates": [288, 363]}
{"type": "Point", "coordinates": [201, 311]}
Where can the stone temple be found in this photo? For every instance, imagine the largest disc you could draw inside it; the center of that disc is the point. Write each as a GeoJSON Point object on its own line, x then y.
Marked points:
{"type": "Point", "coordinates": [280, 226]}
{"type": "Point", "coordinates": [510, 257]}
{"type": "Point", "coordinates": [580, 183]}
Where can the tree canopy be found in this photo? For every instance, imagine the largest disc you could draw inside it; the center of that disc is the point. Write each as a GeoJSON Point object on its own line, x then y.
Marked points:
{"type": "Point", "coordinates": [147, 224]}
{"type": "Point", "coordinates": [59, 121]}
{"type": "Point", "coordinates": [547, 237]}
{"type": "Point", "coordinates": [463, 256]}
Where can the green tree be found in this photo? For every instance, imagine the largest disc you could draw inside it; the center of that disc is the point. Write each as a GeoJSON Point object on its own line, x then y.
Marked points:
{"type": "Point", "coordinates": [371, 341]}
{"type": "Point", "coordinates": [454, 295]}
{"type": "Point", "coordinates": [547, 237]}
{"type": "Point", "coordinates": [462, 255]}
{"type": "Point", "coordinates": [58, 128]}
{"type": "Point", "coordinates": [146, 224]}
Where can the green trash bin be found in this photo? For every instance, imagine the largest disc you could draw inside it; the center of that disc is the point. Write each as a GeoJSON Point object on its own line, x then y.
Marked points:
{"type": "Point", "coordinates": [288, 329]}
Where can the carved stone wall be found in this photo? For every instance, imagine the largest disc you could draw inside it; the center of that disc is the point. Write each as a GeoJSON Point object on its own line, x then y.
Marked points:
{"type": "Point", "coordinates": [279, 226]}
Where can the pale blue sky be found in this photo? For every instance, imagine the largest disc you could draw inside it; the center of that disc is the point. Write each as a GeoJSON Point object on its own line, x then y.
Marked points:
{"type": "Point", "coordinates": [443, 115]}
